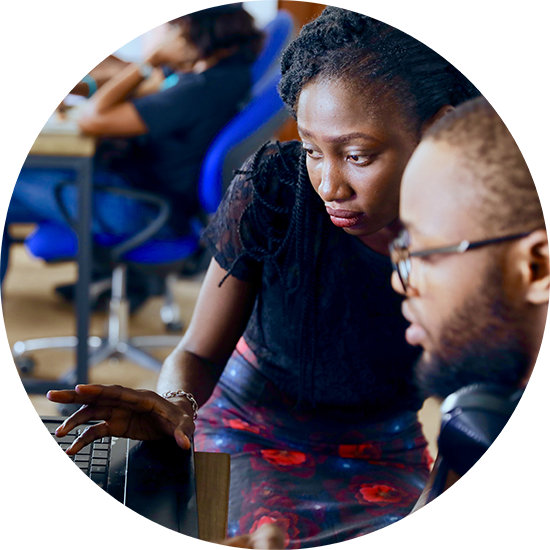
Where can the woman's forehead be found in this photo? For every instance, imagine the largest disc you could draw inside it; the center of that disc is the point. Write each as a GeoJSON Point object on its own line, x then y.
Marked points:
{"type": "Point", "coordinates": [338, 106]}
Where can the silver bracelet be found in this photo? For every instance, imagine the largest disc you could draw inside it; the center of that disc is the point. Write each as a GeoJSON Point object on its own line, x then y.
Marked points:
{"type": "Point", "coordinates": [190, 398]}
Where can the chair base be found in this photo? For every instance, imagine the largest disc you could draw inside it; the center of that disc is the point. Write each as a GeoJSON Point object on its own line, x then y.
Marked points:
{"type": "Point", "coordinates": [100, 350]}
{"type": "Point", "coordinates": [116, 344]}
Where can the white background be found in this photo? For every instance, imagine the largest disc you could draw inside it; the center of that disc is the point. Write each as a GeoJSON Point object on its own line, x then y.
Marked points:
{"type": "Point", "coordinates": [262, 10]}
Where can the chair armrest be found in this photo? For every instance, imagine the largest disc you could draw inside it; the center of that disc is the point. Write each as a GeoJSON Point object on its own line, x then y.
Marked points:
{"type": "Point", "coordinates": [142, 236]}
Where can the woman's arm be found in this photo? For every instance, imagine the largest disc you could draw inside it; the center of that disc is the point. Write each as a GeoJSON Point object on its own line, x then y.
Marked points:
{"type": "Point", "coordinates": [219, 320]}
{"type": "Point", "coordinates": [101, 73]}
{"type": "Point", "coordinates": [109, 112]}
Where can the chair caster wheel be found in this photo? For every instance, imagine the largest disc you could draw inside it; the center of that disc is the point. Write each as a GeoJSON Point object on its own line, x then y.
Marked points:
{"type": "Point", "coordinates": [174, 327]}
{"type": "Point", "coordinates": [66, 409]}
{"type": "Point", "coordinates": [25, 364]}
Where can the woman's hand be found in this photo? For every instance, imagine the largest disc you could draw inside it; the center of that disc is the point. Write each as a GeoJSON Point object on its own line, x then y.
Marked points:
{"type": "Point", "coordinates": [134, 414]}
{"type": "Point", "coordinates": [267, 537]}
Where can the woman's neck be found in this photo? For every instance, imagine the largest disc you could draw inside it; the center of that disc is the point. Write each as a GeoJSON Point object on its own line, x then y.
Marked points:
{"type": "Point", "coordinates": [380, 241]}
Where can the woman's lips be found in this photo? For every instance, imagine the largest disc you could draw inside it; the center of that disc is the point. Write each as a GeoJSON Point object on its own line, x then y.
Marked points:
{"type": "Point", "coordinates": [344, 218]}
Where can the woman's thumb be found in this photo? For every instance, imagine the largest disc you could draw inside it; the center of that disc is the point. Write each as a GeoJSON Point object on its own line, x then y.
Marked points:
{"type": "Point", "coordinates": [181, 439]}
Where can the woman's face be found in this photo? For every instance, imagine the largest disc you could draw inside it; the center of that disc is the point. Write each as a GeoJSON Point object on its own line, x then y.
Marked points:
{"type": "Point", "coordinates": [357, 150]}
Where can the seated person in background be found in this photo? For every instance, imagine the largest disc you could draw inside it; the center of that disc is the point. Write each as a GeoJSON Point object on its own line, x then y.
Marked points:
{"type": "Point", "coordinates": [165, 133]}
{"type": "Point", "coordinates": [478, 316]}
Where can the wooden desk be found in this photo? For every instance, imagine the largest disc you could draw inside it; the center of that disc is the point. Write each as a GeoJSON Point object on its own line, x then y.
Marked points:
{"type": "Point", "coordinates": [66, 148]}
{"type": "Point", "coordinates": [212, 472]}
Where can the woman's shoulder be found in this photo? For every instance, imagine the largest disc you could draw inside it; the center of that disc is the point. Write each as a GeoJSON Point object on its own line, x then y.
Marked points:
{"type": "Point", "coordinates": [283, 155]}
{"type": "Point", "coordinates": [266, 178]}
{"type": "Point", "coordinates": [253, 218]}
{"type": "Point", "coordinates": [274, 169]}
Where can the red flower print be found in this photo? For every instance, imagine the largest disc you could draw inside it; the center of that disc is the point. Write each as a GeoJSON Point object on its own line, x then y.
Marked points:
{"type": "Point", "coordinates": [383, 495]}
{"type": "Point", "coordinates": [237, 424]}
{"type": "Point", "coordinates": [366, 451]}
{"type": "Point", "coordinates": [295, 463]}
{"type": "Point", "coordinates": [283, 458]}
{"type": "Point", "coordinates": [378, 497]}
{"type": "Point", "coordinates": [268, 494]}
{"type": "Point", "coordinates": [427, 458]}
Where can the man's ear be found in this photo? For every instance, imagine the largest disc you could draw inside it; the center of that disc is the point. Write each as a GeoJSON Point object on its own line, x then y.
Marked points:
{"type": "Point", "coordinates": [535, 264]}
{"type": "Point", "coordinates": [440, 113]}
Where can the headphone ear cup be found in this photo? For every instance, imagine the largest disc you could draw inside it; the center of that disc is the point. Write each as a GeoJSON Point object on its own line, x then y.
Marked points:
{"type": "Point", "coordinates": [472, 418]}
{"type": "Point", "coordinates": [465, 436]}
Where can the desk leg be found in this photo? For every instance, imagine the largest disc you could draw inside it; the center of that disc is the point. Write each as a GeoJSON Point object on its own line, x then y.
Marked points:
{"type": "Point", "coordinates": [84, 269]}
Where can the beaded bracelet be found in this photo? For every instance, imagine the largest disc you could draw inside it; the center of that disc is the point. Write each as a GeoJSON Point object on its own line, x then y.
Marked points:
{"type": "Point", "coordinates": [92, 85]}
{"type": "Point", "coordinates": [190, 398]}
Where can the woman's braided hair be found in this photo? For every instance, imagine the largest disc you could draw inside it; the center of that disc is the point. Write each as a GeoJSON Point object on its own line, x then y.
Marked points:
{"type": "Point", "coordinates": [340, 44]}
{"type": "Point", "coordinates": [347, 46]}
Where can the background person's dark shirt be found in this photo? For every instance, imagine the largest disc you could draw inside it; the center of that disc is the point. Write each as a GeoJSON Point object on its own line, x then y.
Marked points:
{"type": "Point", "coordinates": [182, 121]}
{"type": "Point", "coordinates": [362, 359]}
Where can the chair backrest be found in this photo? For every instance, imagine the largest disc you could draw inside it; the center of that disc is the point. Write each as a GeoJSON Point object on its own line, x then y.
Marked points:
{"type": "Point", "coordinates": [278, 33]}
{"type": "Point", "coordinates": [255, 124]}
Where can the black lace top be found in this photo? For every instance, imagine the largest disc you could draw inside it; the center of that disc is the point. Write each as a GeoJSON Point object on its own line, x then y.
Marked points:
{"type": "Point", "coordinates": [326, 327]}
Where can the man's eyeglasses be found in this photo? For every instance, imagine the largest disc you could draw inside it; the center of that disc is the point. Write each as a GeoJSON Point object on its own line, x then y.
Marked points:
{"type": "Point", "coordinates": [401, 256]}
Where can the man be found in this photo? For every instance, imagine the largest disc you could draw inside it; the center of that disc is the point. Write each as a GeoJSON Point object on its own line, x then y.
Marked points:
{"type": "Point", "coordinates": [480, 315]}
{"type": "Point", "coordinates": [472, 261]}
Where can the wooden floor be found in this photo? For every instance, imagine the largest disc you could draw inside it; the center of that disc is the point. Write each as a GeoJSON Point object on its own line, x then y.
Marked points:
{"type": "Point", "coordinates": [33, 310]}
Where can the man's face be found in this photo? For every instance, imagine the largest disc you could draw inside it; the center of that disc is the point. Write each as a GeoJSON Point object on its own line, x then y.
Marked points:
{"type": "Point", "coordinates": [459, 306]}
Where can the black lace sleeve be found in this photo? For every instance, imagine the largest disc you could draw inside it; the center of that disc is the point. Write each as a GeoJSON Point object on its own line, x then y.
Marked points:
{"type": "Point", "coordinates": [222, 234]}
{"type": "Point", "coordinates": [254, 212]}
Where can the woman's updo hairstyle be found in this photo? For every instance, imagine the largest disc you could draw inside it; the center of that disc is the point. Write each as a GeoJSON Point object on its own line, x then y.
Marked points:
{"type": "Point", "coordinates": [354, 48]}
{"type": "Point", "coordinates": [220, 28]}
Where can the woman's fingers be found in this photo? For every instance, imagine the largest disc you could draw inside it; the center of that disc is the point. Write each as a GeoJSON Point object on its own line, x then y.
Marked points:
{"type": "Point", "coordinates": [268, 536]}
{"type": "Point", "coordinates": [90, 434]}
{"type": "Point", "coordinates": [81, 395]}
{"type": "Point", "coordinates": [184, 426]}
{"type": "Point", "coordinates": [141, 413]}
{"type": "Point", "coordinates": [181, 437]}
{"type": "Point", "coordinates": [140, 400]}
{"type": "Point", "coordinates": [61, 396]}
{"type": "Point", "coordinates": [83, 415]}
{"type": "Point", "coordinates": [143, 398]}
{"type": "Point", "coordinates": [242, 541]}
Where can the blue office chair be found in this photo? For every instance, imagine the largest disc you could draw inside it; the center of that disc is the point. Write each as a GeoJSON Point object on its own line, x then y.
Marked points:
{"type": "Point", "coordinates": [255, 124]}
{"type": "Point", "coordinates": [277, 35]}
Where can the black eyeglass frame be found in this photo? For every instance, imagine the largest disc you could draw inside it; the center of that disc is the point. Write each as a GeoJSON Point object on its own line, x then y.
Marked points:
{"type": "Point", "coordinates": [403, 262]}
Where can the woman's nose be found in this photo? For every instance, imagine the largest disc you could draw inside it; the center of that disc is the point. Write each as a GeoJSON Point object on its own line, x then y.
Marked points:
{"type": "Point", "coordinates": [333, 186]}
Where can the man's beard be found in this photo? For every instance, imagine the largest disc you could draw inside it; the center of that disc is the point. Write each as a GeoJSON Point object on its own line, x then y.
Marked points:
{"type": "Point", "coordinates": [480, 343]}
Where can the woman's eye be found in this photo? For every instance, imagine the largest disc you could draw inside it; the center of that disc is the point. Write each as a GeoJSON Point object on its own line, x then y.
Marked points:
{"type": "Point", "coordinates": [311, 153]}
{"type": "Point", "coordinates": [359, 159]}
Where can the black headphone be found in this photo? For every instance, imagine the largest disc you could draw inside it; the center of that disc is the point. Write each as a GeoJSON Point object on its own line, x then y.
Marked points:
{"type": "Point", "coordinates": [472, 418]}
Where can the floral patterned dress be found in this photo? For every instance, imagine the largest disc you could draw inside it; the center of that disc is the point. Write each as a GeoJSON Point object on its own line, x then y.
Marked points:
{"type": "Point", "coordinates": [336, 452]}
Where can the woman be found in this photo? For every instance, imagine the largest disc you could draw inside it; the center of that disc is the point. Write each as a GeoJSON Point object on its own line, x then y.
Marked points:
{"type": "Point", "coordinates": [155, 130]}
{"type": "Point", "coordinates": [316, 404]}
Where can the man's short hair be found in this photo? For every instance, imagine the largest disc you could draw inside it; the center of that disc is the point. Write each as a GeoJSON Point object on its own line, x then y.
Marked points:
{"type": "Point", "coordinates": [508, 199]}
